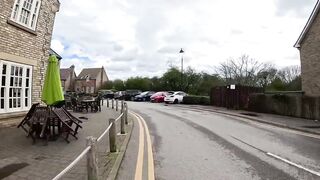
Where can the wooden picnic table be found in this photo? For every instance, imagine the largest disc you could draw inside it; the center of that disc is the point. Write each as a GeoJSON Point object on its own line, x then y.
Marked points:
{"type": "Point", "coordinates": [93, 103]}
{"type": "Point", "coordinates": [49, 123]}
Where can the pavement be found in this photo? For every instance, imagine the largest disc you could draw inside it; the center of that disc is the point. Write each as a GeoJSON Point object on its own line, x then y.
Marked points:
{"type": "Point", "coordinates": [19, 159]}
{"type": "Point", "coordinates": [299, 124]}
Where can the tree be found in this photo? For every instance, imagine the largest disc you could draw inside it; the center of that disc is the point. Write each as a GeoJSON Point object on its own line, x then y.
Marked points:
{"type": "Point", "coordinates": [289, 73]}
{"type": "Point", "coordinates": [107, 85]}
{"type": "Point", "coordinates": [157, 84]}
{"type": "Point", "coordinates": [207, 82]}
{"type": "Point", "coordinates": [245, 71]}
{"type": "Point", "coordinates": [172, 79]}
{"type": "Point", "coordinates": [118, 84]}
{"type": "Point", "coordinates": [191, 81]}
{"type": "Point", "coordinates": [139, 83]}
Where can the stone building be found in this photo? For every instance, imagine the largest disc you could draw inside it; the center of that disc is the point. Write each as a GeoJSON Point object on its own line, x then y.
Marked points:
{"type": "Point", "coordinates": [25, 36]}
{"type": "Point", "coordinates": [308, 44]}
{"type": "Point", "coordinates": [68, 78]}
{"type": "Point", "coordinates": [90, 80]}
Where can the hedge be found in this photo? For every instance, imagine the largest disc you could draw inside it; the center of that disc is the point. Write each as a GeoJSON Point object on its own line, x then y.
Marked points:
{"type": "Point", "coordinates": [200, 100]}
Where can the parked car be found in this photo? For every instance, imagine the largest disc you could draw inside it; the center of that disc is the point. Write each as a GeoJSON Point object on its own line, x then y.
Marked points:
{"type": "Point", "coordinates": [119, 95]}
{"type": "Point", "coordinates": [106, 94]}
{"type": "Point", "coordinates": [158, 97]}
{"type": "Point", "coordinates": [144, 96]}
{"type": "Point", "coordinates": [130, 94]}
{"type": "Point", "coordinates": [175, 98]}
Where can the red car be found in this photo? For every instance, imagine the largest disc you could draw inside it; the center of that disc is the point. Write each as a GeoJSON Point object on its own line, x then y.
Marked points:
{"type": "Point", "coordinates": [158, 97]}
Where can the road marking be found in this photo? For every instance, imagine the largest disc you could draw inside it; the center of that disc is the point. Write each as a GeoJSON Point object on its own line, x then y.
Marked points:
{"type": "Point", "coordinates": [139, 165]}
{"type": "Point", "coordinates": [278, 157]}
{"type": "Point", "coordinates": [294, 164]}
{"type": "Point", "coordinates": [150, 154]}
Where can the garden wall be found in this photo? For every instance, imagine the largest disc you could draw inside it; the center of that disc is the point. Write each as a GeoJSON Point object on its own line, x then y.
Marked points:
{"type": "Point", "coordinates": [296, 105]}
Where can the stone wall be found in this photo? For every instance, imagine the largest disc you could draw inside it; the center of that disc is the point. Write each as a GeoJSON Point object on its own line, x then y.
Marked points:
{"type": "Point", "coordinates": [25, 46]}
{"type": "Point", "coordinates": [310, 60]}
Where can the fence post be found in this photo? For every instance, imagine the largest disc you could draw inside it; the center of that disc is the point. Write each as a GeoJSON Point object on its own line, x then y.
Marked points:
{"type": "Point", "coordinates": [126, 113]}
{"type": "Point", "coordinates": [122, 119]}
{"type": "Point", "coordinates": [112, 103]}
{"type": "Point", "coordinates": [112, 135]}
{"type": "Point", "coordinates": [116, 104]}
{"type": "Point", "coordinates": [122, 105]}
{"type": "Point", "coordinates": [92, 163]}
{"type": "Point", "coordinates": [107, 102]}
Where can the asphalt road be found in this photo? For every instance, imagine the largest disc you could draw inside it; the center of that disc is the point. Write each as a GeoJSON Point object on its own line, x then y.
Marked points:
{"type": "Point", "coordinates": [193, 144]}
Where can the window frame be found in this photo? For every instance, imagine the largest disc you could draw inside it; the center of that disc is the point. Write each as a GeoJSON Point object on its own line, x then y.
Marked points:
{"type": "Point", "coordinates": [19, 10]}
{"type": "Point", "coordinates": [24, 98]}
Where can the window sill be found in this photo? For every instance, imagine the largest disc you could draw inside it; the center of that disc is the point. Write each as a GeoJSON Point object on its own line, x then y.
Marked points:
{"type": "Point", "coordinates": [9, 21]}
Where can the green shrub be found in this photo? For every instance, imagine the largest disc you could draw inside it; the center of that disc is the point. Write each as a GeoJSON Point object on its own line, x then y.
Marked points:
{"type": "Point", "coordinates": [200, 100]}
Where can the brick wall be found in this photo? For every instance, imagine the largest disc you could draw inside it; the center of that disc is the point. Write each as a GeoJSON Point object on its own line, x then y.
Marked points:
{"type": "Point", "coordinates": [310, 60]}
{"type": "Point", "coordinates": [30, 48]}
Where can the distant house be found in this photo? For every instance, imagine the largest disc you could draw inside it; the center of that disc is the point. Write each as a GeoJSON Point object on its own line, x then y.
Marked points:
{"type": "Point", "coordinates": [25, 36]}
{"type": "Point", "coordinates": [90, 80]}
{"type": "Point", "coordinates": [68, 78]}
{"type": "Point", "coordinates": [308, 44]}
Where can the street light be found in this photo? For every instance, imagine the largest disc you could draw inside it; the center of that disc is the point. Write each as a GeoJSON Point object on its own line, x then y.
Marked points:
{"type": "Point", "coordinates": [181, 52]}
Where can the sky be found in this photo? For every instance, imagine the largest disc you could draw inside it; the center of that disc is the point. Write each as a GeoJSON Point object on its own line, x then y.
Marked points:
{"type": "Point", "coordinates": [143, 37]}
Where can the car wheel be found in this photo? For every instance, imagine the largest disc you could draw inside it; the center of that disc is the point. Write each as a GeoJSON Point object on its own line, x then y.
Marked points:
{"type": "Point", "coordinates": [132, 98]}
{"type": "Point", "coordinates": [175, 101]}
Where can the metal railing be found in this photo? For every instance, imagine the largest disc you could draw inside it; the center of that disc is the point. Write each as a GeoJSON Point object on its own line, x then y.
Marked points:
{"type": "Point", "coordinates": [91, 144]}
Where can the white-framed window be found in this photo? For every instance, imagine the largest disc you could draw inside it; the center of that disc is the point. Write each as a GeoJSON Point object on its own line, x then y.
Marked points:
{"type": "Point", "coordinates": [25, 12]}
{"type": "Point", "coordinates": [15, 87]}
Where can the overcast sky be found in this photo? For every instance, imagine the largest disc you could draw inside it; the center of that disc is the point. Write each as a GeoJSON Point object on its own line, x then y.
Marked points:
{"type": "Point", "coordinates": [143, 37]}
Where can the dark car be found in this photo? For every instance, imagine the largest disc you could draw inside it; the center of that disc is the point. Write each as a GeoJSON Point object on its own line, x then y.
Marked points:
{"type": "Point", "coordinates": [106, 94]}
{"type": "Point", "coordinates": [145, 96]}
{"type": "Point", "coordinates": [130, 94]}
{"type": "Point", "coordinates": [119, 95]}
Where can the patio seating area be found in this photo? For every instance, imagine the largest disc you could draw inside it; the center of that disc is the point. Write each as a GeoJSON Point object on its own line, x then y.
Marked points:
{"type": "Point", "coordinates": [49, 123]}
{"type": "Point", "coordinates": [83, 103]}
{"type": "Point", "coordinates": [46, 161]}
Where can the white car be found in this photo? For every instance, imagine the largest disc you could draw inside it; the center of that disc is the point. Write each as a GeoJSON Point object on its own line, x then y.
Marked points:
{"type": "Point", "coordinates": [175, 98]}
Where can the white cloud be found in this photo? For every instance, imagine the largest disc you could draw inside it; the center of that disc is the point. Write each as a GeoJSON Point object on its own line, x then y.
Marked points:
{"type": "Point", "coordinates": [57, 46]}
{"type": "Point", "coordinates": [142, 37]}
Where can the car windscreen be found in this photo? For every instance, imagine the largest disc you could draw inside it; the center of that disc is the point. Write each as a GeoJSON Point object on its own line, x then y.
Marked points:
{"type": "Point", "coordinates": [144, 93]}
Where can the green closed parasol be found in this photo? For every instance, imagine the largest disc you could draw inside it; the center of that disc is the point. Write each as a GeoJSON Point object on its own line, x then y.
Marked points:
{"type": "Point", "coordinates": [52, 93]}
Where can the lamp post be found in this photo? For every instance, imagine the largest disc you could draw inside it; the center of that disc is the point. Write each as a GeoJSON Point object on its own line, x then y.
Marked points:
{"type": "Point", "coordinates": [181, 52]}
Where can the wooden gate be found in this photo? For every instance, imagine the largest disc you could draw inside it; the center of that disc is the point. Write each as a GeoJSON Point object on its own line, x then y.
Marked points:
{"type": "Point", "coordinates": [232, 96]}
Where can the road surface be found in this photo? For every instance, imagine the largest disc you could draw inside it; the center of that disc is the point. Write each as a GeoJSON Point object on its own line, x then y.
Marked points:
{"type": "Point", "coordinates": [194, 144]}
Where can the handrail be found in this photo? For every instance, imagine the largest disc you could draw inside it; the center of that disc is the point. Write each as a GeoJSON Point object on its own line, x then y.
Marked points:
{"type": "Point", "coordinates": [85, 151]}
{"type": "Point", "coordinates": [118, 117]}
{"type": "Point", "coordinates": [105, 132]}
{"type": "Point", "coordinates": [74, 162]}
